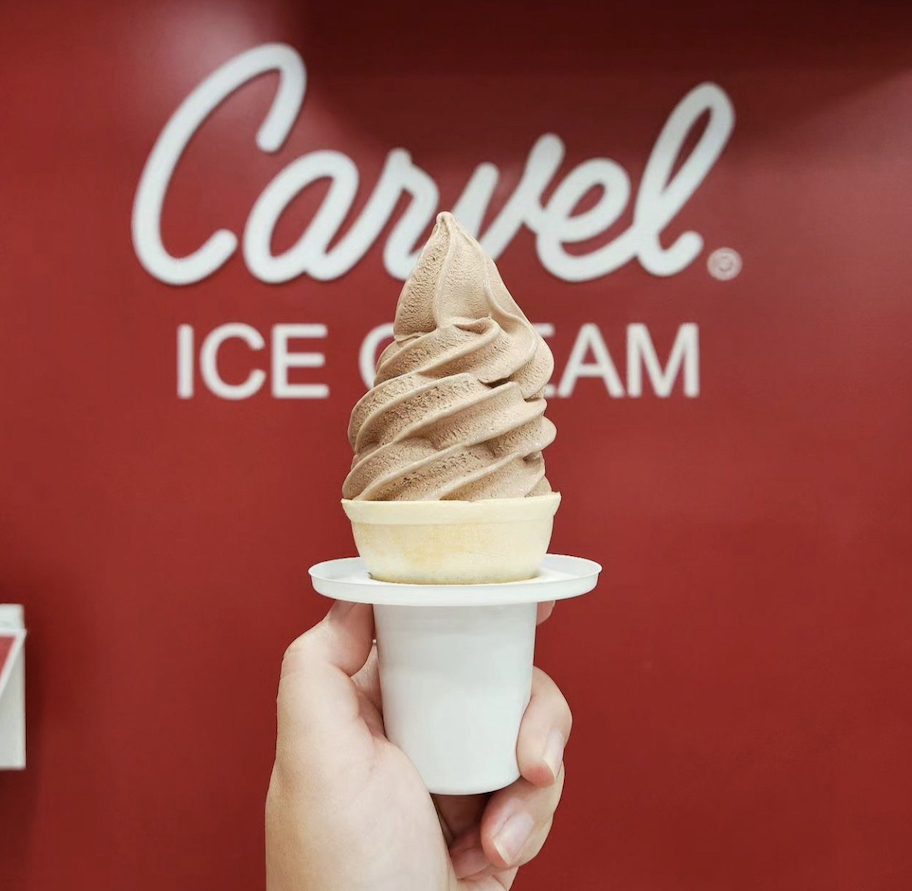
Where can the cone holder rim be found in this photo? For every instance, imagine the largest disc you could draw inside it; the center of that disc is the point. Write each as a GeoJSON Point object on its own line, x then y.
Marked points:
{"type": "Point", "coordinates": [560, 577]}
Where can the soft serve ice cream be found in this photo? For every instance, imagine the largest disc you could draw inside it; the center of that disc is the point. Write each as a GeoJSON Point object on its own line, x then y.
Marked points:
{"type": "Point", "coordinates": [457, 408]}
{"type": "Point", "coordinates": [448, 482]}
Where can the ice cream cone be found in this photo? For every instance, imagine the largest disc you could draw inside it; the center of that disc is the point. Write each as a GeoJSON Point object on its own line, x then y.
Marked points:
{"type": "Point", "coordinates": [452, 514]}
{"type": "Point", "coordinates": [453, 542]}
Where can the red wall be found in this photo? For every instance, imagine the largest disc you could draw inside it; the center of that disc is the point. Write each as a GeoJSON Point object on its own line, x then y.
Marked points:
{"type": "Point", "coordinates": [740, 678]}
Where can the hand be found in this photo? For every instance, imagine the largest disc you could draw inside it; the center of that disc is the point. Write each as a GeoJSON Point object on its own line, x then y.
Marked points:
{"type": "Point", "coordinates": [346, 809]}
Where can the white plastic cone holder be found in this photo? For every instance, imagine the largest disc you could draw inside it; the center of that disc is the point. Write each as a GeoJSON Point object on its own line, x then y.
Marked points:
{"type": "Point", "coordinates": [456, 664]}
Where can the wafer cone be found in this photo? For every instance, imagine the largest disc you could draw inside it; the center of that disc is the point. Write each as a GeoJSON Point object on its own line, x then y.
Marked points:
{"type": "Point", "coordinates": [453, 542]}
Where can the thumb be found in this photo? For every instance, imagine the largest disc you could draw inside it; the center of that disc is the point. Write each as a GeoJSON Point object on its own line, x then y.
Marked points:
{"type": "Point", "coordinates": [318, 707]}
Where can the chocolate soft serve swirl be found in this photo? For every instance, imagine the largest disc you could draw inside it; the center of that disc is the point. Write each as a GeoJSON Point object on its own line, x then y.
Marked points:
{"type": "Point", "coordinates": [457, 407]}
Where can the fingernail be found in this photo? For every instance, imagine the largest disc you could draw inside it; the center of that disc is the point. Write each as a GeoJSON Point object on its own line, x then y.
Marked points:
{"type": "Point", "coordinates": [468, 862]}
{"type": "Point", "coordinates": [513, 835]}
{"type": "Point", "coordinates": [553, 754]}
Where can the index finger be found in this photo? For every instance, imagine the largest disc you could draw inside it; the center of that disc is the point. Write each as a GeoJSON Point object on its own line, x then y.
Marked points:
{"type": "Point", "coordinates": [544, 611]}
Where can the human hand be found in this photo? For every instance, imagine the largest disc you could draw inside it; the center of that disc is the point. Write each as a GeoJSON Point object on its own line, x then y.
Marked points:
{"type": "Point", "coordinates": [346, 809]}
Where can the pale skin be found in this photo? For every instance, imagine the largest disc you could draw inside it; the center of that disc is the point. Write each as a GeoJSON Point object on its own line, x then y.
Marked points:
{"type": "Point", "coordinates": [346, 810]}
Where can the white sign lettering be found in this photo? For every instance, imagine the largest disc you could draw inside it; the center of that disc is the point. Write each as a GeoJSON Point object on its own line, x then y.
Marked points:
{"type": "Point", "coordinates": [283, 358]}
{"type": "Point", "coordinates": [685, 352]}
{"type": "Point", "coordinates": [667, 185]}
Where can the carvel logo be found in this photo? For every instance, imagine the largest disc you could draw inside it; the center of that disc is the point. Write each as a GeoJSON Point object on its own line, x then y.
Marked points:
{"type": "Point", "coordinates": [667, 184]}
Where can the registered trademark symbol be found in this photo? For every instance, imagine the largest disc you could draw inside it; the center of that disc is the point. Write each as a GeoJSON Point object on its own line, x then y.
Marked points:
{"type": "Point", "coordinates": [724, 264]}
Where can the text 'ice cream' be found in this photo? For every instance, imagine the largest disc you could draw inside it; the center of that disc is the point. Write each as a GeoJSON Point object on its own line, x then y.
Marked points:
{"type": "Point", "coordinates": [457, 407]}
